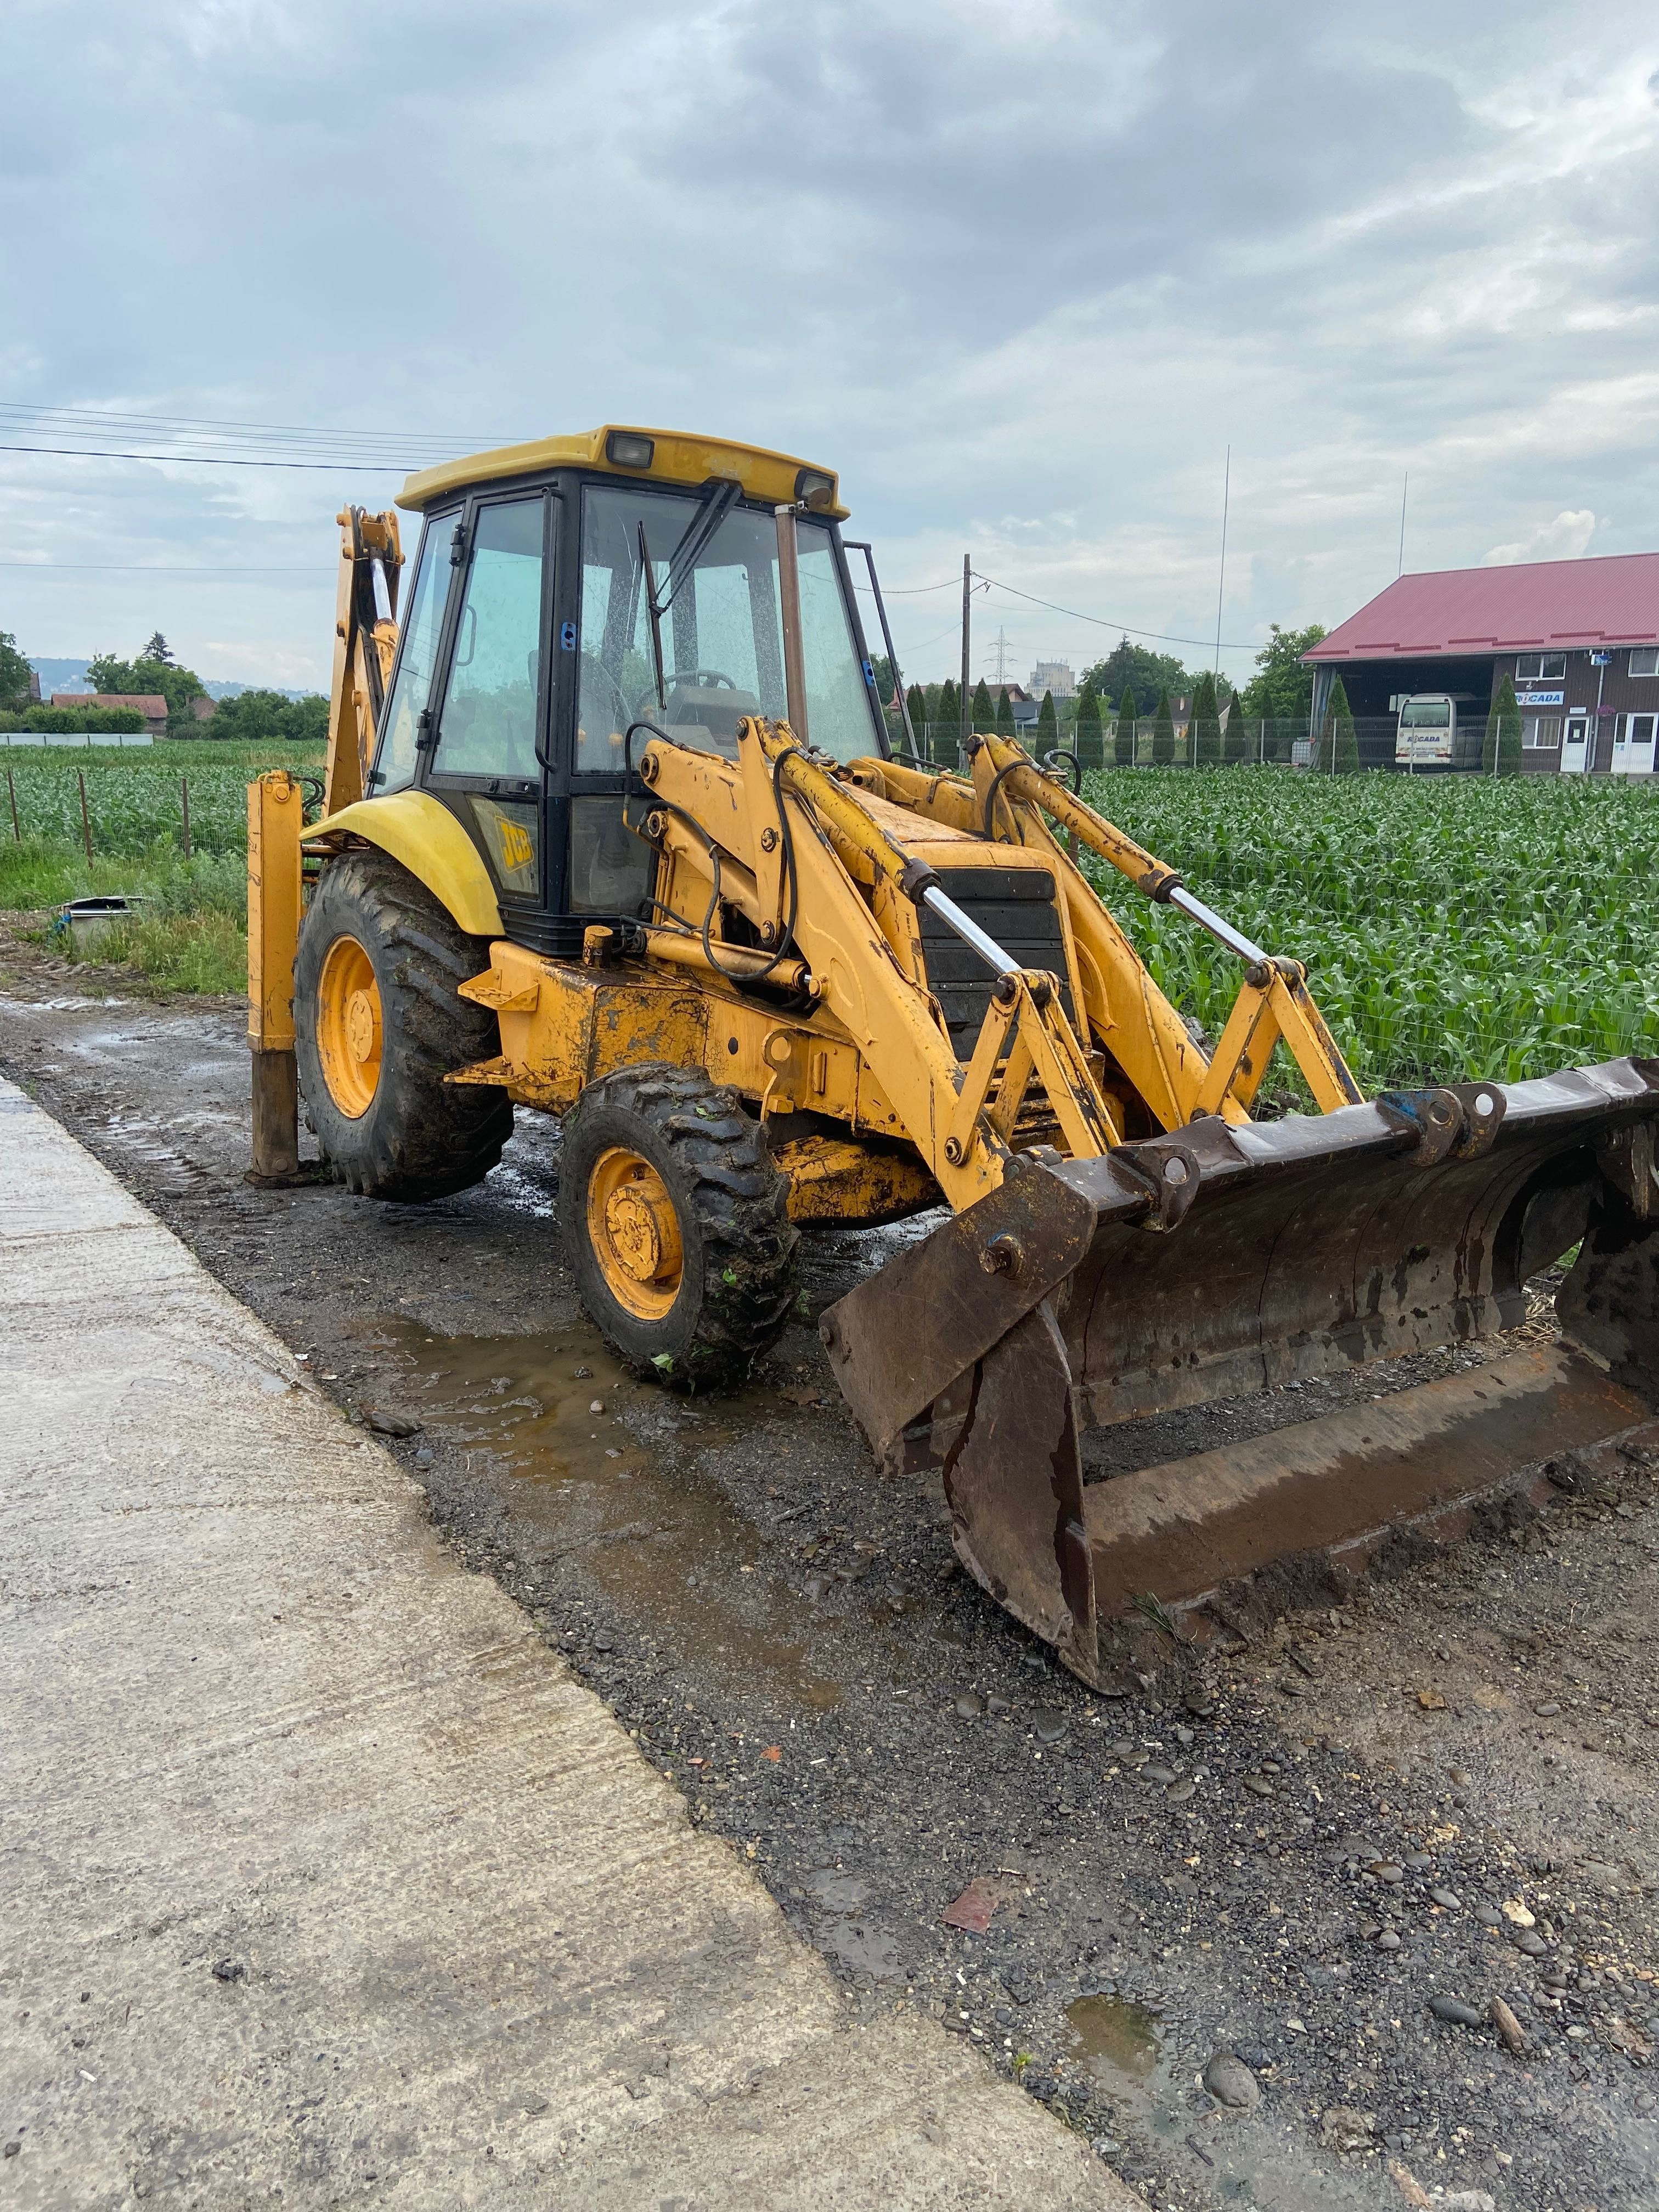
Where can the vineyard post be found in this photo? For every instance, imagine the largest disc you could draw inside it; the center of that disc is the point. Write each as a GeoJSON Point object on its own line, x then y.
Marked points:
{"type": "Point", "coordinates": [86, 819]}
{"type": "Point", "coordinates": [184, 800]}
{"type": "Point", "coordinates": [12, 788]}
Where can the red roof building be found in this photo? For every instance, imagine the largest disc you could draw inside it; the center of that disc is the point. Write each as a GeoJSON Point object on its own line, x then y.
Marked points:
{"type": "Point", "coordinates": [150, 704]}
{"type": "Point", "coordinates": [1578, 639]}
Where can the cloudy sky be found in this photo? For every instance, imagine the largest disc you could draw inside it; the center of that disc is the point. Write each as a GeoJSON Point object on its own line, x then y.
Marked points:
{"type": "Point", "coordinates": [1022, 272]}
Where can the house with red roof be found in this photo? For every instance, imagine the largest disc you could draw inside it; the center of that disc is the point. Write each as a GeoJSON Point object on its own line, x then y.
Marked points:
{"type": "Point", "coordinates": [1578, 639]}
{"type": "Point", "coordinates": [150, 704]}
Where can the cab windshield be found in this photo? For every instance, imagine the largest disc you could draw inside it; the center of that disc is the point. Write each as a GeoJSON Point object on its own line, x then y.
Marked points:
{"type": "Point", "coordinates": [722, 633]}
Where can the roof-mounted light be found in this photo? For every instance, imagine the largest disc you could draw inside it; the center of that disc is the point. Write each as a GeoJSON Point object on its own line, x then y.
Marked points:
{"type": "Point", "coordinates": [626, 449]}
{"type": "Point", "coordinates": [814, 488]}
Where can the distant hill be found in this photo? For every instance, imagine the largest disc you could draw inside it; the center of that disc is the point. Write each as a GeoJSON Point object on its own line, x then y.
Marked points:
{"type": "Point", "coordinates": [60, 675]}
{"type": "Point", "coordinates": [217, 688]}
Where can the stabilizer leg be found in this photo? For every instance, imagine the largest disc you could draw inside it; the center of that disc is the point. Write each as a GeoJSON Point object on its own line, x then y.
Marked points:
{"type": "Point", "coordinates": [276, 822]}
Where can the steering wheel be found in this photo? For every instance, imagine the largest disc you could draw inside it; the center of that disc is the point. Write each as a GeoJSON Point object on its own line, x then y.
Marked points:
{"type": "Point", "coordinates": [699, 675]}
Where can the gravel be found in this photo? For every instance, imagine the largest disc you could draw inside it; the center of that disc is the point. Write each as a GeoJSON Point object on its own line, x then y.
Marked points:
{"type": "Point", "coordinates": [923, 1741]}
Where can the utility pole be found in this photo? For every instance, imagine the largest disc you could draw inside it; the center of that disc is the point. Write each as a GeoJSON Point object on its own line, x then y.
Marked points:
{"type": "Point", "coordinates": [967, 594]}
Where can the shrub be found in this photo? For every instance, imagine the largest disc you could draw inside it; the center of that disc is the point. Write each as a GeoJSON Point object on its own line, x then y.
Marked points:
{"type": "Point", "coordinates": [95, 722]}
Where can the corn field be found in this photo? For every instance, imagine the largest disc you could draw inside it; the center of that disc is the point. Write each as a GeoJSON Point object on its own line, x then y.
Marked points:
{"type": "Point", "coordinates": [1454, 928]}
{"type": "Point", "coordinates": [130, 809]}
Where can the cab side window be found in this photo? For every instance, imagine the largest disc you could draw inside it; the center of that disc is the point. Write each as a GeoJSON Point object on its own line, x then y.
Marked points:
{"type": "Point", "coordinates": [488, 725]}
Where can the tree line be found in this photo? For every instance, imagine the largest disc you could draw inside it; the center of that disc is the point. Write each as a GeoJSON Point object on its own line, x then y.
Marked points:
{"type": "Point", "coordinates": [249, 717]}
{"type": "Point", "coordinates": [1132, 684]}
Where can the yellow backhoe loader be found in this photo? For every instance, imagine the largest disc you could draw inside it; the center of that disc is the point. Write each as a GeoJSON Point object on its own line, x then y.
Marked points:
{"type": "Point", "coordinates": [612, 829]}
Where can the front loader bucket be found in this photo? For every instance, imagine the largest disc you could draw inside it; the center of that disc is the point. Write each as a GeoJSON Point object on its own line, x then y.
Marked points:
{"type": "Point", "coordinates": [1223, 1258]}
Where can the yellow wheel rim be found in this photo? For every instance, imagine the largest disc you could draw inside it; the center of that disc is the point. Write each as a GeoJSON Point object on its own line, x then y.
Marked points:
{"type": "Point", "coordinates": [635, 1233]}
{"type": "Point", "coordinates": [349, 1027]}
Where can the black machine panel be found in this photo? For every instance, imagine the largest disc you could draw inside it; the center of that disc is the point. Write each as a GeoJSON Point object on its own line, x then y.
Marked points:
{"type": "Point", "coordinates": [1013, 905]}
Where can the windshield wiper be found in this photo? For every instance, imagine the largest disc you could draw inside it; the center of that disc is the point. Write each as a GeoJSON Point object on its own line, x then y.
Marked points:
{"type": "Point", "coordinates": [715, 503]}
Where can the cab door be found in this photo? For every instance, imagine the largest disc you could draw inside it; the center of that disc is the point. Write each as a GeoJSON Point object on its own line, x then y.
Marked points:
{"type": "Point", "coordinates": [486, 740]}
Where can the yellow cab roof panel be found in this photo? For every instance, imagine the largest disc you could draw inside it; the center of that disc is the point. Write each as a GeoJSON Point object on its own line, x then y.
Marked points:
{"type": "Point", "coordinates": [678, 458]}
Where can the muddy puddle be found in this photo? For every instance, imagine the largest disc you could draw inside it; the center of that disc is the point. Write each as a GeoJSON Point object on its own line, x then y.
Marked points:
{"type": "Point", "coordinates": [1123, 2046]}
{"type": "Point", "coordinates": [1117, 2041]}
{"type": "Point", "coordinates": [617, 1469]}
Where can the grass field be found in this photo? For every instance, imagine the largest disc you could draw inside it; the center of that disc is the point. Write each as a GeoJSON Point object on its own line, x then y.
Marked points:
{"type": "Point", "coordinates": [1453, 928]}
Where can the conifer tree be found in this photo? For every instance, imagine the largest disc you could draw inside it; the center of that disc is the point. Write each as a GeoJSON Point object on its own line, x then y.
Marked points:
{"type": "Point", "coordinates": [1047, 726]}
{"type": "Point", "coordinates": [1207, 727]}
{"type": "Point", "coordinates": [1338, 748]}
{"type": "Point", "coordinates": [1090, 748]}
{"type": "Point", "coordinates": [1235, 745]}
{"type": "Point", "coordinates": [916, 701]}
{"type": "Point", "coordinates": [1005, 714]}
{"type": "Point", "coordinates": [1123, 743]}
{"type": "Point", "coordinates": [947, 725]}
{"type": "Point", "coordinates": [1500, 750]}
{"type": "Point", "coordinates": [984, 714]}
{"type": "Point", "coordinates": [1163, 732]}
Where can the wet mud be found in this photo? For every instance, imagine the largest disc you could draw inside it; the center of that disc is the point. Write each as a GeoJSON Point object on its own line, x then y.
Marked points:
{"type": "Point", "coordinates": [1099, 1893]}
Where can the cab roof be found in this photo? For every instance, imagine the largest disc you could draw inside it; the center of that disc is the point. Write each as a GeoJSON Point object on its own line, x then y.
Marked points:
{"type": "Point", "coordinates": [676, 457]}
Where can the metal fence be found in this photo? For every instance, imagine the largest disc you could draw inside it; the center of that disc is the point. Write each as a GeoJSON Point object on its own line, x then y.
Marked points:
{"type": "Point", "coordinates": [78, 740]}
{"type": "Point", "coordinates": [1247, 740]}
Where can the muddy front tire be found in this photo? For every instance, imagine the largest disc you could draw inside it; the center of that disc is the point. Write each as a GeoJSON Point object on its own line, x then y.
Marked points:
{"type": "Point", "coordinates": [378, 1025]}
{"type": "Point", "coordinates": [676, 1224]}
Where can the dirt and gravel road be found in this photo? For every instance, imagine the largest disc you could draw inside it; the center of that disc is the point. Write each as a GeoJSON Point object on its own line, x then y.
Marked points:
{"type": "Point", "coordinates": [1245, 1927]}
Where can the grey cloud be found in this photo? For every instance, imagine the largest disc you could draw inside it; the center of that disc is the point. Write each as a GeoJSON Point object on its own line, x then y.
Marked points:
{"type": "Point", "coordinates": [1021, 271]}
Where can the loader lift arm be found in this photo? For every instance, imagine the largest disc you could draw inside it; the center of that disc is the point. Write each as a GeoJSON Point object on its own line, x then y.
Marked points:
{"type": "Point", "coordinates": [887, 985]}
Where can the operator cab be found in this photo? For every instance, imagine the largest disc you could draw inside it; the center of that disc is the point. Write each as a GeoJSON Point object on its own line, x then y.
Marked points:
{"type": "Point", "coordinates": [566, 592]}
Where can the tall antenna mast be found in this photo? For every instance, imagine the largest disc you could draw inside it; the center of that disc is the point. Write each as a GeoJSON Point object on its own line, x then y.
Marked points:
{"type": "Point", "coordinates": [1221, 586]}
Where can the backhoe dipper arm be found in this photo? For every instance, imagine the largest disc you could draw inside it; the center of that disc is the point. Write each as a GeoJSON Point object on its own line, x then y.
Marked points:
{"type": "Point", "coordinates": [365, 646]}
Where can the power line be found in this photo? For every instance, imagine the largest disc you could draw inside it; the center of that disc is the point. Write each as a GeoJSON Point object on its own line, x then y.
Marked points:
{"type": "Point", "coordinates": [211, 461]}
{"type": "Point", "coordinates": [909, 591]}
{"type": "Point", "coordinates": [1100, 622]}
{"type": "Point", "coordinates": [231, 431]}
{"type": "Point", "coordinates": [167, 569]}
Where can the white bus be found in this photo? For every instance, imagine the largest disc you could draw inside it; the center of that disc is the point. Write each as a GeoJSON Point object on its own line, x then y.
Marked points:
{"type": "Point", "coordinates": [1430, 735]}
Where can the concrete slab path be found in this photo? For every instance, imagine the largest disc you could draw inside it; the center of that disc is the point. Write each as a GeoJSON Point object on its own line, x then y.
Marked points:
{"type": "Point", "coordinates": [322, 1881]}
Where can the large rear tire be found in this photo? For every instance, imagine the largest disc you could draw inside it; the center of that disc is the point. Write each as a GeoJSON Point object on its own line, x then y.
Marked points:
{"type": "Point", "coordinates": [676, 1227]}
{"type": "Point", "coordinates": [378, 1025]}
